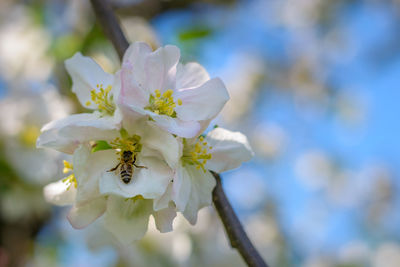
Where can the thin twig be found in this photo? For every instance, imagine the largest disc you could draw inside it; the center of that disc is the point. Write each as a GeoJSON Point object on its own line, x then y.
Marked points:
{"type": "Point", "coordinates": [234, 229]}
{"type": "Point", "coordinates": [110, 25]}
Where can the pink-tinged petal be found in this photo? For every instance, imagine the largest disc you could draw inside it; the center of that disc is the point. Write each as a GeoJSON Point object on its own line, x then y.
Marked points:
{"type": "Point", "coordinates": [127, 219]}
{"type": "Point", "coordinates": [187, 129]}
{"type": "Point", "coordinates": [181, 188]}
{"type": "Point", "coordinates": [84, 214]}
{"type": "Point", "coordinates": [86, 74]}
{"type": "Point", "coordinates": [164, 219]}
{"type": "Point", "coordinates": [190, 75]}
{"type": "Point", "coordinates": [132, 91]}
{"type": "Point", "coordinates": [202, 184]}
{"type": "Point", "coordinates": [229, 149]}
{"type": "Point", "coordinates": [66, 134]}
{"type": "Point", "coordinates": [203, 102]}
{"type": "Point", "coordinates": [160, 68]}
{"type": "Point", "coordinates": [60, 193]}
{"type": "Point", "coordinates": [150, 182]}
{"type": "Point", "coordinates": [135, 59]}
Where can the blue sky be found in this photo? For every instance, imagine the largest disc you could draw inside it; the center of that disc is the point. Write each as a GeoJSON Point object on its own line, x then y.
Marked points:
{"type": "Point", "coordinates": [374, 86]}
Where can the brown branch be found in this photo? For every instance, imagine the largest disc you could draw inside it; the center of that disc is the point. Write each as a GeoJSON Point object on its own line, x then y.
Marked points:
{"type": "Point", "coordinates": [234, 229]}
{"type": "Point", "coordinates": [110, 25]}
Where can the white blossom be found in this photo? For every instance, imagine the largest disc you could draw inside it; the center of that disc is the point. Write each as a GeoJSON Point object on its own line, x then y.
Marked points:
{"type": "Point", "coordinates": [140, 153]}
{"type": "Point", "coordinates": [191, 189]}
{"type": "Point", "coordinates": [96, 90]}
{"type": "Point", "coordinates": [177, 97]}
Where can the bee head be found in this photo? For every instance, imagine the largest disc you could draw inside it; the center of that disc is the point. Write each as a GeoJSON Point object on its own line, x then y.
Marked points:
{"type": "Point", "coordinates": [127, 153]}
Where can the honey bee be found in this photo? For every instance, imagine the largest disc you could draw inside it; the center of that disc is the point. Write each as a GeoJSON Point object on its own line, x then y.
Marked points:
{"type": "Point", "coordinates": [127, 162]}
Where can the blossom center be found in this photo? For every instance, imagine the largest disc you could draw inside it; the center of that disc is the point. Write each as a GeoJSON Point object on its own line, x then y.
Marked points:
{"type": "Point", "coordinates": [131, 143]}
{"type": "Point", "coordinates": [163, 104]}
{"type": "Point", "coordinates": [197, 154]}
{"type": "Point", "coordinates": [70, 179]}
{"type": "Point", "coordinates": [103, 99]}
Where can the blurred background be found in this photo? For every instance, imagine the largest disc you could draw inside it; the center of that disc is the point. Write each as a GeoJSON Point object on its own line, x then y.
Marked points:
{"type": "Point", "coordinates": [314, 84]}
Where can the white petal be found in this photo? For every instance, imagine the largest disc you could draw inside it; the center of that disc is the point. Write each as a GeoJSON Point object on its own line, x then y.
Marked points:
{"type": "Point", "coordinates": [187, 129]}
{"type": "Point", "coordinates": [202, 185]}
{"type": "Point", "coordinates": [155, 138]}
{"type": "Point", "coordinates": [83, 214]}
{"type": "Point", "coordinates": [133, 117]}
{"type": "Point", "coordinates": [229, 150]}
{"type": "Point", "coordinates": [127, 219]}
{"type": "Point", "coordinates": [67, 134]}
{"type": "Point", "coordinates": [181, 188]}
{"type": "Point", "coordinates": [204, 125]}
{"type": "Point", "coordinates": [203, 102]}
{"type": "Point", "coordinates": [60, 193]}
{"type": "Point", "coordinates": [88, 168]}
{"type": "Point", "coordinates": [132, 114]}
{"type": "Point", "coordinates": [164, 219]}
{"type": "Point", "coordinates": [160, 68]}
{"type": "Point", "coordinates": [150, 182]}
{"type": "Point", "coordinates": [163, 201]}
{"type": "Point", "coordinates": [190, 75]}
{"type": "Point", "coordinates": [86, 74]}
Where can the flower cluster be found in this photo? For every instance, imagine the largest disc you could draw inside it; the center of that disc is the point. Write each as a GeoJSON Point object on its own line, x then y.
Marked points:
{"type": "Point", "coordinates": [141, 150]}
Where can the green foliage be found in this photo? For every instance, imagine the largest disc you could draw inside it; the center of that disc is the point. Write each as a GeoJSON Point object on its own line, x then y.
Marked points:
{"type": "Point", "coordinates": [65, 46]}
{"type": "Point", "coordinates": [194, 33]}
{"type": "Point", "coordinates": [101, 145]}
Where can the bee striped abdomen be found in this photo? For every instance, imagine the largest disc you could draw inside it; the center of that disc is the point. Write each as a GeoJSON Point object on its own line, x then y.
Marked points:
{"type": "Point", "coordinates": [126, 173]}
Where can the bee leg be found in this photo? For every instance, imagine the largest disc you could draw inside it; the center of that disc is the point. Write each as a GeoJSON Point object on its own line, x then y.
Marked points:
{"type": "Point", "coordinates": [137, 166]}
{"type": "Point", "coordinates": [113, 169]}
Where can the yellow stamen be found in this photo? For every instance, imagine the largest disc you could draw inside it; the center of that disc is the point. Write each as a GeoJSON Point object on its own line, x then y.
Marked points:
{"type": "Point", "coordinates": [67, 167]}
{"type": "Point", "coordinates": [163, 104]}
{"type": "Point", "coordinates": [196, 154]}
{"type": "Point", "coordinates": [127, 144]}
{"type": "Point", "coordinates": [103, 99]}
{"type": "Point", "coordinates": [168, 93]}
{"type": "Point", "coordinates": [70, 179]}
